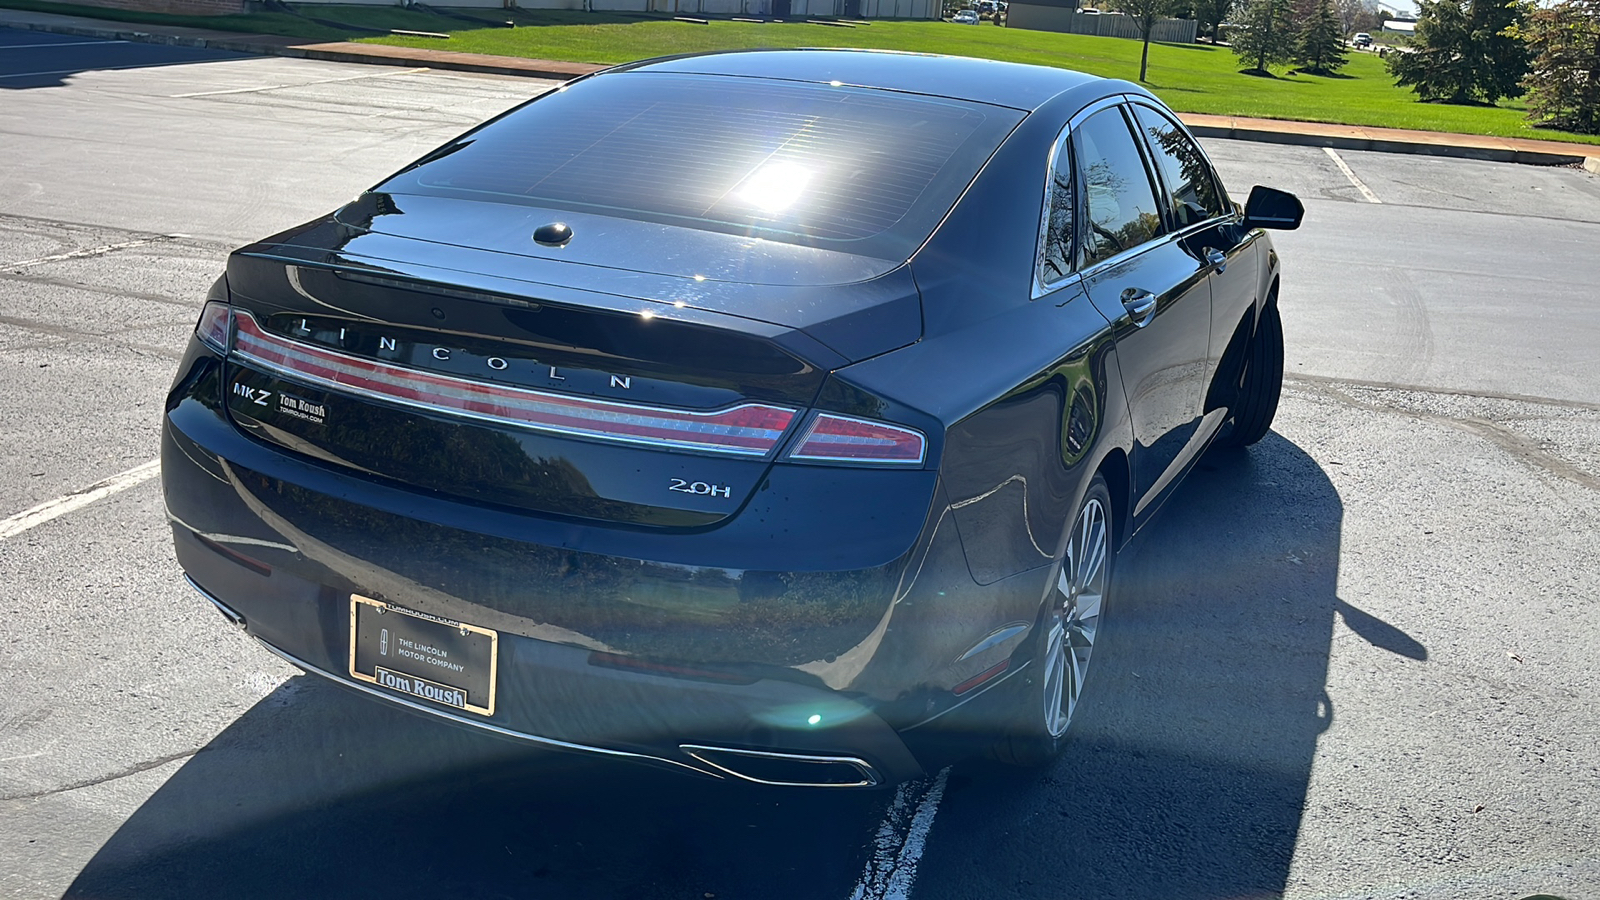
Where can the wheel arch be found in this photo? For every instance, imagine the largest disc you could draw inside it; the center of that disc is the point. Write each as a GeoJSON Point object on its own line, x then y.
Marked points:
{"type": "Point", "coordinates": [1115, 470]}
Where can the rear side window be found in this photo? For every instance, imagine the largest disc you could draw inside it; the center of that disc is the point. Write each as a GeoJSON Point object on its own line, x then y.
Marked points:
{"type": "Point", "coordinates": [1120, 202]}
{"type": "Point", "coordinates": [1055, 232]}
{"type": "Point", "coordinates": [868, 172]}
{"type": "Point", "coordinates": [1190, 184]}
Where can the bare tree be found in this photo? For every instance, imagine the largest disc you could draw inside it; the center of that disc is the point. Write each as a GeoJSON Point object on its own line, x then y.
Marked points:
{"type": "Point", "coordinates": [1145, 14]}
{"type": "Point", "coordinates": [1357, 15]}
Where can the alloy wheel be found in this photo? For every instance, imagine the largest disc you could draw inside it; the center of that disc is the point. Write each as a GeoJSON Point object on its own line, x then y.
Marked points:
{"type": "Point", "coordinates": [1074, 618]}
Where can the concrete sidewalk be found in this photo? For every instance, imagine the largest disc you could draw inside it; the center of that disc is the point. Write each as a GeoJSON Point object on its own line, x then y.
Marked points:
{"type": "Point", "coordinates": [1343, 137]}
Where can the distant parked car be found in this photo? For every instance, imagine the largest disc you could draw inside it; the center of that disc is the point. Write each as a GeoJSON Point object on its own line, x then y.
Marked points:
{"type": "Point", "coordinates": [1362, 39]}
{"type": "Point", "coordinates": [1089, 11]}
{"type": "Point", "coordinates": [966, 17]}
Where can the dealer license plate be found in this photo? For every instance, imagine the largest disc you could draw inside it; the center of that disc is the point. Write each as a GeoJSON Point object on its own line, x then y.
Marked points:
{"type": "Point", "coordinates": [425, 656]}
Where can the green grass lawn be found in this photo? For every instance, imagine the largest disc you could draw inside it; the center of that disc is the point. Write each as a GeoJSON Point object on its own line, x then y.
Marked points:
{"type": "Point", "coordinates": [1190, 78]}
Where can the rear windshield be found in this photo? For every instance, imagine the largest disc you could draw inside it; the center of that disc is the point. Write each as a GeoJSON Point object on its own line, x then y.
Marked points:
{"type": "Point", "coordinates": [863, 171]}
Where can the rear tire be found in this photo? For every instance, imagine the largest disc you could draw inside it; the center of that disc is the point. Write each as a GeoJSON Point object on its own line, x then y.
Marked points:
{"type": "Point", "coordinates": [1068, 626]}
{"type": "Point", "coordinates": [1257, 403]}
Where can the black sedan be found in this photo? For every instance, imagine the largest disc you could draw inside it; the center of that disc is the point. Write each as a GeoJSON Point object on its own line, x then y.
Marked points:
{"type": "Point", "coordinates": [758, 415]}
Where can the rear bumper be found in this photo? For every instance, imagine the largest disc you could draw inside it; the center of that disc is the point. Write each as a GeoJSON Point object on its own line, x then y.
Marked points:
{"type": "Point", "coordinates": [280, 543]}
{"type": "Point", "coordinates": [554, 697]}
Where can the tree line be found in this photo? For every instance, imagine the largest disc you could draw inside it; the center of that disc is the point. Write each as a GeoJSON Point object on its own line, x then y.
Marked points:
{"type": "Point", "coordinates": [1463, 51]}
{"type": "Point", "coordinates": [1479, 51]}
{"type": "Point", "coordinates": [1307, 33]}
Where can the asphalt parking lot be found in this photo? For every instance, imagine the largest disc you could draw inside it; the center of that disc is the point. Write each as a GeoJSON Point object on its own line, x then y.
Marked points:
{"type": "Point", "coordinates": [1355, 662]}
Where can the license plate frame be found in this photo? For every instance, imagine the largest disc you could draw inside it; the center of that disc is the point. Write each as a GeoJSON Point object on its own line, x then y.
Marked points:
{"type": "Point", "coordinates": [423, 656]}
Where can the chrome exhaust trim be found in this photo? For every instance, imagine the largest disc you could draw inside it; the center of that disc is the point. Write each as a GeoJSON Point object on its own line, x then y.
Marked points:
{"type": "Point", "coordinates": [867, 776]}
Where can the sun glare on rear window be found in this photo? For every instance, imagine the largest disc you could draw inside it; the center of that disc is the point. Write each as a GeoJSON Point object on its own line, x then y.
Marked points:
{"type": "Point", "coordinates": [866, 171]}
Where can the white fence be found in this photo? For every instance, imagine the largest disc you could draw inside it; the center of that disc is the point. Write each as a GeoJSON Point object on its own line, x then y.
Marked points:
{"type": "Point", "coordinates": [1065, 19]}
{"type": "Point", "coordinates": [798, 9]}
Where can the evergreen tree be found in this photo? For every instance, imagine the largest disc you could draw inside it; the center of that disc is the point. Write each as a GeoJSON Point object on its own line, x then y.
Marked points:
{"type": "Point", "coordinates": [1466, 51]}
{"type": "Point", "coordinates": [1322, 48]}
{"type": "Point", "coordinates": [1266, 36]}
{"type": "Point", "coordinates": [1563, 82]}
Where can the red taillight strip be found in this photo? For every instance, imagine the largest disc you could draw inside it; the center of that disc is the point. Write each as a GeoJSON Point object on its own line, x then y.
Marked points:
{"type": "Point", "coordinates": [752, 429]}
{"type": "Point", "coordinates": [835, 438]}
{"type": "Point", "coordinates": [213, 326]}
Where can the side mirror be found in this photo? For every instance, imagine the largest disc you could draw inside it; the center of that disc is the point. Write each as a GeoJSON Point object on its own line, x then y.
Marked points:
{"type": "Point", "coordinates": [1272, 208]}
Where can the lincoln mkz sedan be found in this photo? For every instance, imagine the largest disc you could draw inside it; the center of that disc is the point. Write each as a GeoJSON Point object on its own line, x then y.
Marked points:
{"type": "Point", "coordinates": [752, 414]}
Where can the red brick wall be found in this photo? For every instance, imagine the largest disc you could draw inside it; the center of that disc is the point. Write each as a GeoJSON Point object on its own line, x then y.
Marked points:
{"type": "Point", "coordinates": [178, 7]}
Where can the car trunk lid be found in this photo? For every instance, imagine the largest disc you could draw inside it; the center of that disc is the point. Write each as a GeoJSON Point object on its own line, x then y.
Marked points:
{"type": "Point", "coordinates": [588, 404]}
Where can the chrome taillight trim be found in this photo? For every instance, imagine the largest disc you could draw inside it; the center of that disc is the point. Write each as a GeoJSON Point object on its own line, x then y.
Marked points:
{"type": "Point", "coordinates": [497, 404]}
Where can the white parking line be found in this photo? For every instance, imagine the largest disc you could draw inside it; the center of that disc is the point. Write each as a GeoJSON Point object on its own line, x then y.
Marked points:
{"type": "Point", "coordinates": [274, 87]}
{"type": "Point", "coordinates": [50, 509]}
{"type": "Point", "coordinates": [1350, 174]}
{"type": "Point", "coordinates": [900, 841]}
{"type": "Point", "coordinates": [88, 251]}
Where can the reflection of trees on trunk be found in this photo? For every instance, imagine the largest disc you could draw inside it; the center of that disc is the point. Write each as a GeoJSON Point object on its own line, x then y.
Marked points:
{"type": "Point", "coordinates": [467, 460]}
{"type": "Point", "coordinates": [692, 614]}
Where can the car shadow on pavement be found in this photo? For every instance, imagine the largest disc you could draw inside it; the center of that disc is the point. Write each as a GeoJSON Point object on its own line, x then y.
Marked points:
{"type": "Point", "coordinates": [1188, 774]}
{"type": "Point", "coordinates": [43, 60]}
{"type": "Point", "coordinates": [317, 792]}
{"type": "Point", "coordinates": [1187, 777]}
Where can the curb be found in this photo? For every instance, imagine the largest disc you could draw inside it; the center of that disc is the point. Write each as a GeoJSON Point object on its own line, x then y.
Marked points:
{"type": "Point", "coordinates": [1415, 148]}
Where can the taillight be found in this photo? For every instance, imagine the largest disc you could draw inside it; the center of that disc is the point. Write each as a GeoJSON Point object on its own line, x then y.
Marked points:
{"type": "Point", "coordinates": [835, 438]}
{"type": "Point", "coordinates": [213, 326]}
{"type": "Point", "coordinates": [751, 429]}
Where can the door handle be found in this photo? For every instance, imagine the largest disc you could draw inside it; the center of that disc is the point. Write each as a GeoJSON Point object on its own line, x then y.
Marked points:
{"type": "Point", "coordinates": [1140, 304]}
{"type": "Point", "coordinates": [1217, 259]}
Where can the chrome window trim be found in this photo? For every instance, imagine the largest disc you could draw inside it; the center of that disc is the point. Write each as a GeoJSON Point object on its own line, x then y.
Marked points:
{"type": "Point", "coordinates": [1080, 274]}
{"type": "Point", "coordinates": [1112, 262]}
{"type": "Point", "coordinates": [1040, 289]}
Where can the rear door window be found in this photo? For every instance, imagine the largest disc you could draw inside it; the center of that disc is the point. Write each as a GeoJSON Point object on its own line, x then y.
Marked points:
{"type": "Point", "coordinates": [863, 171]}
{"type": "Point", "coordinates": [1120, 201]}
